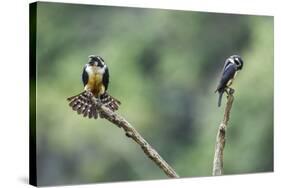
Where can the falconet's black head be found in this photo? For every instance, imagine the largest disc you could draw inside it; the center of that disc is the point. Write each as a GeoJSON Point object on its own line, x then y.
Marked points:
{"type": "Point", "coordinates": [237, 60]}
{"type": "Point", "coordinates": [97, 61]}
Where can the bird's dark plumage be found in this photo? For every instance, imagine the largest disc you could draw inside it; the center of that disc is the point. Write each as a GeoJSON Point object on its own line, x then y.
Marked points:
{"type": "Point", "coordinates": [228, 74]}
{"type": "Point", "coordinates": [85, 76]}
{"type": "Point", "coordinates": [105, 78]}
{"type": "Point", "coordinates": [231, 66]}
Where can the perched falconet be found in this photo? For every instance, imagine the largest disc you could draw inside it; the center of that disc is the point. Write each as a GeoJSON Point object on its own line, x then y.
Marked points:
{"type": "Point", "coordinates": [95, 77]}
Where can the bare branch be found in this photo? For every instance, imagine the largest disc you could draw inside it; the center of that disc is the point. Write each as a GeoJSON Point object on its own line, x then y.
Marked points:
{"type": "Point", "coordinates": [220, 140]}
{"type": "Point", "coordinates": [131, 132]}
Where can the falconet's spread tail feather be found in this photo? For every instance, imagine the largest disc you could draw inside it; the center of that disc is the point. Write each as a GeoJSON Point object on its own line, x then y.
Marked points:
{"type": "Point", "coordinates": [83, 104]}
{"type": "Point", "coordinates": [110, 102]}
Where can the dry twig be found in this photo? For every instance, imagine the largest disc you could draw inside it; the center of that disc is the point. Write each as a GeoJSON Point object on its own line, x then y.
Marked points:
{"type": "Point", "coordinates": [131, 132]}
{"type": "Point", "coordinates": [220, 140]}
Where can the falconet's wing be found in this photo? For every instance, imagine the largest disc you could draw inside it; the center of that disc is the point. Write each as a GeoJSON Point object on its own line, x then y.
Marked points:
{"type": "Point", "coordinates": [105, 78]}
{"type": "Point", "coordinates": [85, 76]}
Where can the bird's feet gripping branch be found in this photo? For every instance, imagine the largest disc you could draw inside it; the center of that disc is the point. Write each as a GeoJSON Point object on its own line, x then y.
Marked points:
{"type": "Point", "coordinates": [95, 78]}
{"type": "Point", "coordinates": [229, 91]}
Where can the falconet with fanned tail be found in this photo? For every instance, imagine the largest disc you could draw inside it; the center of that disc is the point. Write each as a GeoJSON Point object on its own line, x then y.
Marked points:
{"type": "Point", "coordinates": [232, 65]}
{"type": "Point", "coordinates": [95, 78]}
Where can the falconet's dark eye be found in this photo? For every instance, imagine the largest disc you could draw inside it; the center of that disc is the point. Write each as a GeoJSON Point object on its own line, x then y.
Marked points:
{"type": "Point", "coordinates": [237, 62]}
{"type": "Point", "coordinates": [99, 64]}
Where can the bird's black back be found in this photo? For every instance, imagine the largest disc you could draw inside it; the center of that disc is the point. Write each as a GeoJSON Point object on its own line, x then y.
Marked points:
{"type": "Point", "coordinates": [228, 74]}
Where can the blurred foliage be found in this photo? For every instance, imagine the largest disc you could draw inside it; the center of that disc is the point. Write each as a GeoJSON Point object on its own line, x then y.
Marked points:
{"type": "Point", "coordinates": [164, 66]}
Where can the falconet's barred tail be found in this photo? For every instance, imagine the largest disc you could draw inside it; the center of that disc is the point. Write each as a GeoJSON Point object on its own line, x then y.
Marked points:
{"type": "Point", "coordinates": [110, 102]}
{"type": "Point", "coordinates": [83, 104]}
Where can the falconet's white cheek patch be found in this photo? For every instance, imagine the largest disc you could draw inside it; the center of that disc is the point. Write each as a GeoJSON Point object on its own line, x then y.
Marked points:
{"type": "Point", "coordinates": [89, 70]}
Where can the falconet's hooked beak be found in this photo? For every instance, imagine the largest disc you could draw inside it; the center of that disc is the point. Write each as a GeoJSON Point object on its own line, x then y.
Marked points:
{"type": "Point", "coordinates": [93, 63]}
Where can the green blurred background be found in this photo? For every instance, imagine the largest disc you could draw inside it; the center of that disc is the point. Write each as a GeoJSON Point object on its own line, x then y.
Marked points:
{"type": "Point", "coordinates": [164, 66]}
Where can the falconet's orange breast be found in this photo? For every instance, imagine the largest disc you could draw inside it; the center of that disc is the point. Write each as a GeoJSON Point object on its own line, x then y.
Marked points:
{"type": "Point", "coordinates": [95, 84]}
